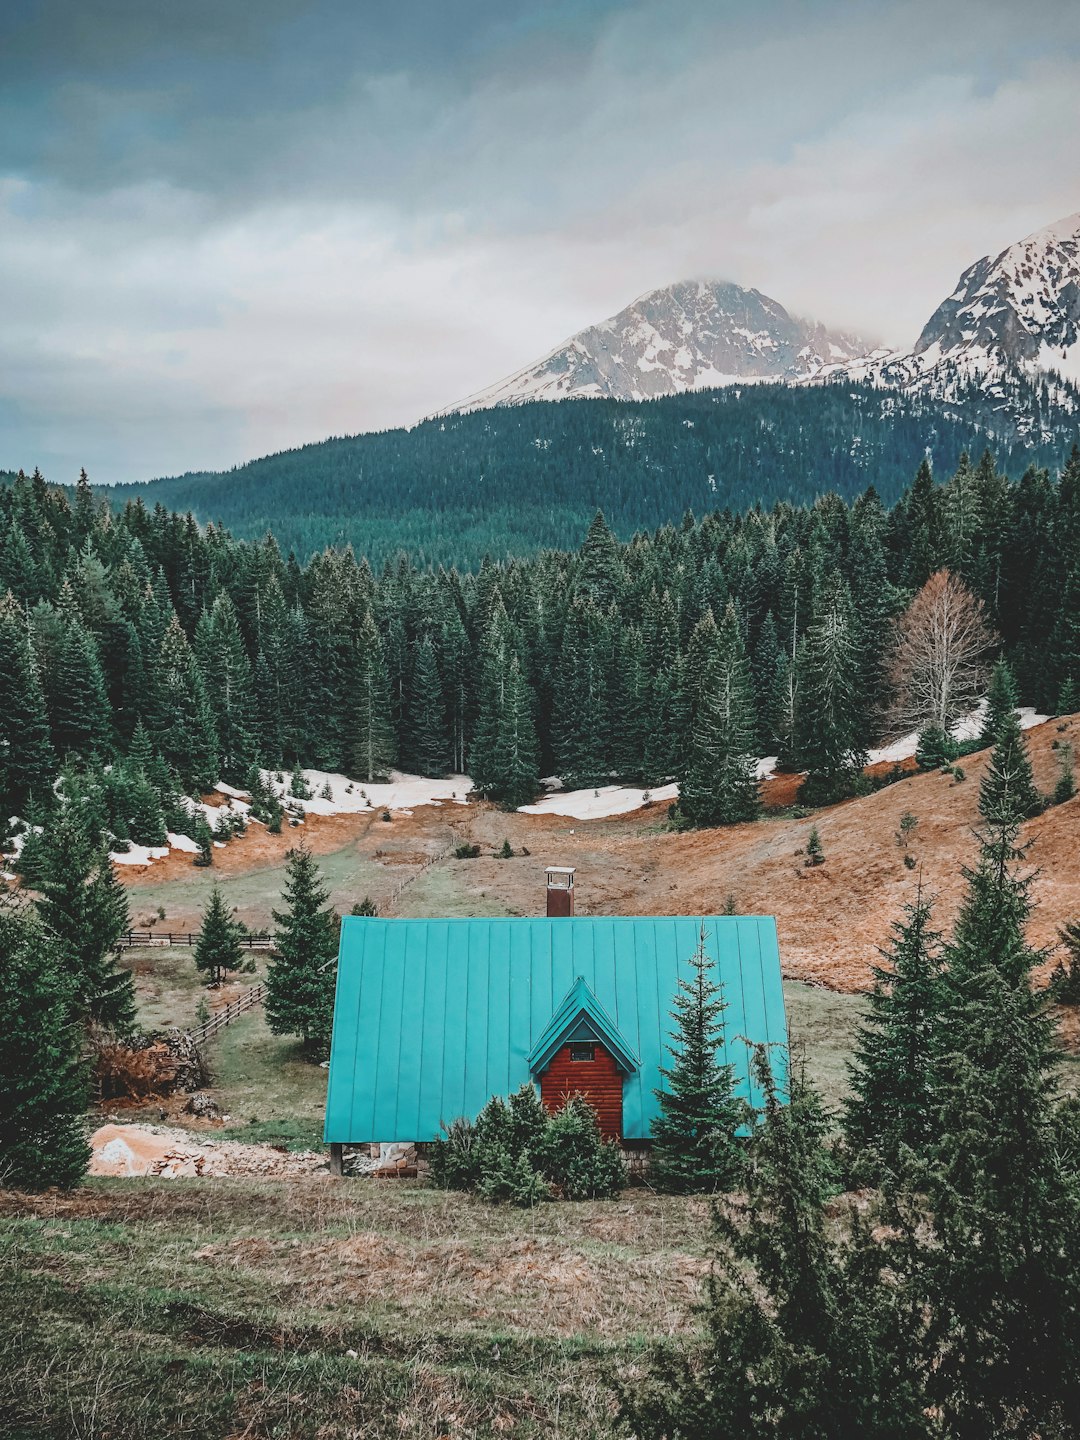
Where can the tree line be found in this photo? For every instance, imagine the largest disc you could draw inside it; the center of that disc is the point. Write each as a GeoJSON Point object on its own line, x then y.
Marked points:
{"type": "Point", "coordinates": [141, 637]}
{"type": "Point", "coordinates": [513, 479]}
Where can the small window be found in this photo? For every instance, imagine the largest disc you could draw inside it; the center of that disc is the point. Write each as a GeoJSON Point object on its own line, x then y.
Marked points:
{"type": "Point", "coordinates": [583, 1051]}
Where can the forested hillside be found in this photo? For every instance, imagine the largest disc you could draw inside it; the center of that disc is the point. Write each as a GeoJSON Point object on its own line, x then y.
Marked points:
{"type": "Point", "coordinates": [198, 656]}
{"type": "Point", "coordinates": [506, 482]}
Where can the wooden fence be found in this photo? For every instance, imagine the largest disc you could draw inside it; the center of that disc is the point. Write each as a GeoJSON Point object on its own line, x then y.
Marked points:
{"type": "Point", "coordinates": [228, 1013]}
{"type": "Point", "coordinates": [150, 938]}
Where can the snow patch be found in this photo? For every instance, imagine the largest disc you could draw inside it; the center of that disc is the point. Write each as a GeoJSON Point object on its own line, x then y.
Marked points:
{"type": "Point", "coordinates": [139, 854]}
{"type": "Point", "coordinates": [350, 797]}
{"type": "Point", "coordinates": [598, 804]}
{"type": "Point", "coordinates": [967, 728]}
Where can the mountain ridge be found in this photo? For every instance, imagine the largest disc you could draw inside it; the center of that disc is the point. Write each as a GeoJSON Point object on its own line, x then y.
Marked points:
{"type": "Point", "coordinates": [1012, 315]}
{"type": "Point", "coordinates": [691, 335]}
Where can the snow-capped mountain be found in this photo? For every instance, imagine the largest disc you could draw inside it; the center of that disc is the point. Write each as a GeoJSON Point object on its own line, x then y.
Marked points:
{"type": "Point", "coordinates": [1013, 318]}
{"type": "Point", "coordinates": [688, 336]}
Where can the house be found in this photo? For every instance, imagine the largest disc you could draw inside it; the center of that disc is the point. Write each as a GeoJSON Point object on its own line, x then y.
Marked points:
{"type": "Point", "coordinates": [433, 1017]}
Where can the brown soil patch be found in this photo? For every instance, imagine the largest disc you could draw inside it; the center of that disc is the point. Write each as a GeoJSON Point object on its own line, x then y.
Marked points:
{"type": "Point", "coordinates": [831, 918]}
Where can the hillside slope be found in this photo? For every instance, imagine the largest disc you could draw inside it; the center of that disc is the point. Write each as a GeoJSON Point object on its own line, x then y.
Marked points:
{"type": "Point", "coordinates": [832, 918]}
{"type": "Point", "coordinates": [513, 479]}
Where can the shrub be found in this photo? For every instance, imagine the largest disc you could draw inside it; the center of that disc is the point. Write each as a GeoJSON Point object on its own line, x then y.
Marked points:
{"type": "Point", "coordinates": [815, 855]}
{"type": "Point", "coordinates": [572, 1155]}
{"type": "Point", "coordinates": [505, 853]}
{"type": "Point", "coordinates": [515, 1151]}
{"type": "Point", "coordinates": [1065, 788]}
{"type": "Point", "coordinates": [935, 749]}
{"type": "Point", "coordinates": [465, 851]}
{"type": "Point", "coordinates": [909, 861]}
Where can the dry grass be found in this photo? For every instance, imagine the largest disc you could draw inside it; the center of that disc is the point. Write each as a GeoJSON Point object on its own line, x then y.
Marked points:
{"type": "Point", "coordinates": [216, 1309]}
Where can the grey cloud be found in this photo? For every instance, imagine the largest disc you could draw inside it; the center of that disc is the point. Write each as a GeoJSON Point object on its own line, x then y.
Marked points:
{"type": "Point", "coordinates": [253, 225]}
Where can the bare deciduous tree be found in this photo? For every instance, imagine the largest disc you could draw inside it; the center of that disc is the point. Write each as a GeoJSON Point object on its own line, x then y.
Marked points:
{"type": "Point", "coordinates": [941, 656]}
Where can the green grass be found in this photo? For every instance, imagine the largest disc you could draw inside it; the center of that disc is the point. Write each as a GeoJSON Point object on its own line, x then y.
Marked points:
{"type": "Point", "coordinates": [444, 890]}
{"type": "Point", "coordinates": [822, 1025]}
{"type": "Point", "coordinates": [266, 1084]}
{"type": "Point", "coordinates": [218, 1309]}
{"type": "Point", "coordinates": [255, 893]}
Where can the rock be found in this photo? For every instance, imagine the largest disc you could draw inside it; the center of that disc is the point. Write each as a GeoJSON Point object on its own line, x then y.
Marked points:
{"type": "Point", "coordinates": [201, 1105]}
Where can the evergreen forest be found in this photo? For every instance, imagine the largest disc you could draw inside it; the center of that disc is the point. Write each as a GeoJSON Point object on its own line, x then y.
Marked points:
{"type": "Point", "coordinates": [508, 481]}
{"type": "Point", "coordinates": [151, 656]}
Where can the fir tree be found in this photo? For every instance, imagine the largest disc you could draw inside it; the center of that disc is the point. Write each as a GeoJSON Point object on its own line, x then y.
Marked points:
{"type": "Point", "coordinates": [694, 1145]}
{"type": "Point", "coordinates": [43, 1089]}
{"type": "Point", "coordinates": [204, 839]}
{"type": "Point", "coordinates": [828, 718]}
{"type": "Point", "coordinates": [301, 975]}
{"type": "Point", "coordinates": [719, 786]}
{"type": "Point", "coordinates": [217, 950]}
{"type": "Point", "coordinates": [512, 774]}
{"type": "Point", "coordinates": [227, 685]}
{"type": "Point", "coordinates": [27, 762]}
{"type": "Point", "coordinates": [1007, 790]}
{"type": "Point", "coordinates": [1065, 980]}
{"type": "Point", "coordinates": [428, 749]}
{"type": "Point", "coordinates": [1005, 1209]}
{"type": "Point", "coordinates": [183, 729]}
{"type": "Point", "coordinates": [84, 910]}
{"type": "Point", "coordinates": [373, 747]}
{"type": "Point", "coordinates": [891, 1110]}
{"type": "Point", "coordinates": [81, 720]}
{"type": "Point", "coordinates": [146, 820]}
{"type": "Point", "coordinates": [805, 1337]}
{"type": "Point", "coordinates": [1001, 704]}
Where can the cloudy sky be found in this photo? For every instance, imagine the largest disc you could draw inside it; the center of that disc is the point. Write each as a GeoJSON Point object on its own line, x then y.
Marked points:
{"type": "Point", "coordinates": [232, 226]}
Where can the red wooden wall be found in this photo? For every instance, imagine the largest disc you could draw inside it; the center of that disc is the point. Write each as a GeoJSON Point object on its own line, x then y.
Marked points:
{"type": "Point", "coordinates": [599, 1080]}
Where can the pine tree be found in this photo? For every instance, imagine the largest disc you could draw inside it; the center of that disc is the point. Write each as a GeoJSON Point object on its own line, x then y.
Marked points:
{"type": "Point", "coordinates": [428, 748]}
{"type": "Point", "coordinates": [373, 744]}
{"type": "Point", "coordinates": [925, 550]}
{"type": "Point", "coordinates": [27, 762]}
{"type": "Point", "coordinates": [145, 817]}
{"type": "Point", "coordinates": [183, 728]}
{"type": "Point", "coordinates": [695, 1149]}
{"type": "Point", "coordinates": [1065, 980]}
{"type": "Point", "coordinates": [806, 1337]}
{"type": "Point", "coordinates": [84, 910]}
{"type": "Point", "coordinates": [1007, 790]}
{"type": "Point", "coordinates": [227, 685]}
{"type": "Point", "coordinates": [829, 722]}
{"type": "Point", "coordinates": [43, 1089]}
{"type": "Point", "coordinates": [1003, 1204]}
{"type": "Point", "coordinates": [1001, 704]}
{"type": "Point", "coordinates": [892, 1106]}
{"type": "Point", "coordinates": [301, 975]}
{"type": "Point", "coordinates": [512, 774]}
{"type": "Point", "coordinates": [719, 785]}
{"type": "Point", "coordinates": [204, 839]}
{"type": "Point", "coordinates": [81, 720]}
{"type": "Point", "coordinates": [217, 950]}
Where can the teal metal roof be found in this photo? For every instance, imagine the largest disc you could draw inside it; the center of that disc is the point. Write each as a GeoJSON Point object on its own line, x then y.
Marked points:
{"type": "Point", "coordinates": [433, 1017]}
{"type": "Point", "coordinates": [581, 1004]}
